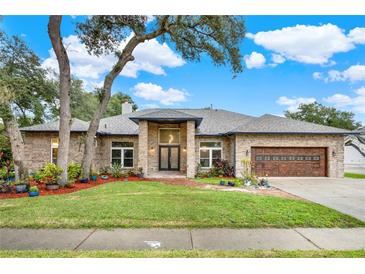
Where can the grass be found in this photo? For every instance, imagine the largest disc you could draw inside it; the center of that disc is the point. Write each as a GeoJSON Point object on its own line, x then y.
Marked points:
{"type": "Point", "coordinates": [154, 204]}
{"type": "Point", "coordinates": [216, 180]}
{"type": "Point", "coordinates": [184, 254]}
{"type": "Point", "coordinates": [354, 175]}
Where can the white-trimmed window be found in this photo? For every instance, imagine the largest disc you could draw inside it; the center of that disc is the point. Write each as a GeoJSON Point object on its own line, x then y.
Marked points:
{"type": "Point", "coordinates": [210, 151]}
{"type": "Point", "coordinates": [169, 136]}
{"type": "Point", "coordinates": [122, 153]}
{"type": "Point", "coordinates": [54, 150]}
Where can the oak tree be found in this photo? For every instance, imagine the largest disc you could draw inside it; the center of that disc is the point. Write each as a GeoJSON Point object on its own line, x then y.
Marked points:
{"type": "Point", "coordinates": [218, 37]}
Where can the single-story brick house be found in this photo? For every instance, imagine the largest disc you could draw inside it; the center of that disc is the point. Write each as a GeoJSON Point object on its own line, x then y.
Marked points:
{"type": "Point", "coordinates": [175, 140]}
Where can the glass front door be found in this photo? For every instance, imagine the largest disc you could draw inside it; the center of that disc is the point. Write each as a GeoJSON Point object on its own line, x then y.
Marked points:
{"type": "Point", "coordinates": [169, 158]}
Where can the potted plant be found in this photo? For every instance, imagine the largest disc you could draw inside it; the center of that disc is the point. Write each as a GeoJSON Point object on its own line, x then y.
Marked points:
{"type": "Point", "coordinates": [51, 173]}
{"type": "Point", "coordinates": [231, 183]}
{"type": "Point", "coordinates": [73, 172]}
{"type": "Point", "coordinates": [93, 175]}
{"type": "Point", "coordinates": [247, 180]}
{"type": "Point", "coordinates": [11, 176]}
{"type": "Point", "coordinates": [33, 191]}
{"type": "Point", "coordinates": [20, 186]}
{"type": "Point", "coordinates": [104, 171]}
{"type": "Point", "coordinates": [83, 179]}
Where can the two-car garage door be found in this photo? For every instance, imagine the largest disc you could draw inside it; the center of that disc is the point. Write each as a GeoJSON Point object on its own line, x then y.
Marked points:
{"type": "Point", "coordinates": [289, 161]}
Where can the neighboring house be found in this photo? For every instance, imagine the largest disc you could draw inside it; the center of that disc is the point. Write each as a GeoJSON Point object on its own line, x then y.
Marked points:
{"type": "Point", "coordinates": [355, 152]}
{"type": "Point", "coordinates": [164, 141]}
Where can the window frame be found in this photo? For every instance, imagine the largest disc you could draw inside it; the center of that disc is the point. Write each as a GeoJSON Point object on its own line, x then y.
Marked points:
{"type": "Point", "coordinates": [54, 146]}
{"type": "Point", "coordinates": [210, 149]}
{"type": "Point", "coordinates": [169, 128]}
{"type": "Point", "coordinates": [121, 149]}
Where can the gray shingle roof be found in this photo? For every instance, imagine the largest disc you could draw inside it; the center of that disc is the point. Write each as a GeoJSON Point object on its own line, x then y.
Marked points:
{"type": "Point", "coordinates": [214, 122]}
{"type": "Point", "coordinates": [118, 125]}
{"type": "Point", "coordinates": [360, 130]}
{"type": "Point", "coordinates": [275, 124]}
{"type": "Point", "coordinates": [77, 125]}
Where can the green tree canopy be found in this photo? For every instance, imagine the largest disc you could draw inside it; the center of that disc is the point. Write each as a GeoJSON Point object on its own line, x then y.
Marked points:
{"type": "Point", "coordinates": [23, 75]}
{"type": "Point", "coordinates": [217, 36]}
{"type": "Point", "coordinates": [84, 103]}
{"type": "Point", "coordinates": [115, 104]}
{"type": "Point", "coordinates": [328, 116]}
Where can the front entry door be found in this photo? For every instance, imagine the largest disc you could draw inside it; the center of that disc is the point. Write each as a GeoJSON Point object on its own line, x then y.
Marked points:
{"type": "Point", "coordinates": [169, 158]}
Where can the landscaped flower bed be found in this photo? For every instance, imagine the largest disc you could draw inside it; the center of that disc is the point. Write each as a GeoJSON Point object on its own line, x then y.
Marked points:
{"type": "Point", "coordinates": [64, 190]}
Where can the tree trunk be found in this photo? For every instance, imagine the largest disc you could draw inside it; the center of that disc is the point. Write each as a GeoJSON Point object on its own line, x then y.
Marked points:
{"type": "Point", "coordinates": [54, 25]}
{"type": "Point", "coordinates": [94, 123]}
{"type": "Point", "coordinates": [123, 59]}
{"type": "Point", "coordinates": [17, 147]}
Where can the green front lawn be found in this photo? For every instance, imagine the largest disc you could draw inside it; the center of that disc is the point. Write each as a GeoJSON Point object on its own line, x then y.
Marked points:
{"type": "Point", "coordinates": [154, 204]}
{"type": "Point", "coordinates": [216, 180]}
{"type": "Point", "coordinates": [354, 175]}
{"type": "Point", "coordinates": [183, 254]}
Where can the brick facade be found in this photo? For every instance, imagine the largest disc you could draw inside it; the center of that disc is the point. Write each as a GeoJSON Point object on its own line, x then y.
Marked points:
{"type": "Point", "coordinates": [38, 149]}
{"type": "Point", "coordinates": [333, 143]}
{"type": "Point", "coordinates": [234, 148]}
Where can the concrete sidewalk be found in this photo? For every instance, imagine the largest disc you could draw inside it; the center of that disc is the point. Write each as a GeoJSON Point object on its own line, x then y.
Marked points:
{"type": "Point", "coordinates": [219, 239]}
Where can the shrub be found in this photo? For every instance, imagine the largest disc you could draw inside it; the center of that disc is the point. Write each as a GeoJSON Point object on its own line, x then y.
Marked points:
{"type": "Point", "coordinates": [3, 173]}
{"type": "Point", "coordinates": [38, 176]}
{"type": "Point", "coordinates": [199, 173]}
{"type": "Point", "coordinates": [33, 189]}
{"type": "Point", "coordinates": [221, 168]}
{"type": "Point", "coordinates": [51, 173]}
{"type": "Point", "coordinates": [73, 172]}
{"type": "Point", "coordinates": [20, 182]}
{"type": "Point", "coordinates": [116, 170]}
{"type": "Point", "coordinates": [105, 170]}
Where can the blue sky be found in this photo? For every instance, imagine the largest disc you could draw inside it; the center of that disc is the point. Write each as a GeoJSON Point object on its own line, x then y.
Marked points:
{"type": "Point", "coordinates": [288, 60]}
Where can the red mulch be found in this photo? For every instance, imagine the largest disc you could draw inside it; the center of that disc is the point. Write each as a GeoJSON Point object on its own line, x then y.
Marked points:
{"type": "Point", "coordinates": [64, 190]}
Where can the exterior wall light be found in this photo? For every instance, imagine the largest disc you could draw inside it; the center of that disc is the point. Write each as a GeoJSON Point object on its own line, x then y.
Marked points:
{"type": "Point", "coordinates": [333, 153]}
{"type": "Point", "coordinates": [184, 149]}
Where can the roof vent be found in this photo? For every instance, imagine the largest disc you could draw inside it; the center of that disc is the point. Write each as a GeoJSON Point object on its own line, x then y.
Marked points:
{"type": "Point", "coordinates": [126, 108]}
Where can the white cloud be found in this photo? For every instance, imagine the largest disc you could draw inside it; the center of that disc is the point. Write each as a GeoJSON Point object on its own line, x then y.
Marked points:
{"type": "Point", "coordinates": [150, 106]}
{"type": "Point", "coordinates": [309, 44]}
{"type": "Point", "coordinates": [150, 56]}
{"type": "Point", "coordinates": [339, 100]}
{"type": "Point", "coordinates": [278, 59]}
{"type": "Point", "coordinates": [152, 92]}
{"type": "Point", "coordinates": [353, 74]}
{"type": "Point", "coordinates": [317, 75]}
{"type": "Point", "coordinates": [293, 103]}
{"type": "Point", "coordinates": [357, 35]}
{"type": "Point", "coordinates": [254, 60]}
{"type": "Point", "coordinates": [355, 103]}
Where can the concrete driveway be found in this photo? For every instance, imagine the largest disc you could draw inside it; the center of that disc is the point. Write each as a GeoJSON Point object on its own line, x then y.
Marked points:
{"type": "Point", "coordinates": [344, 195]}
